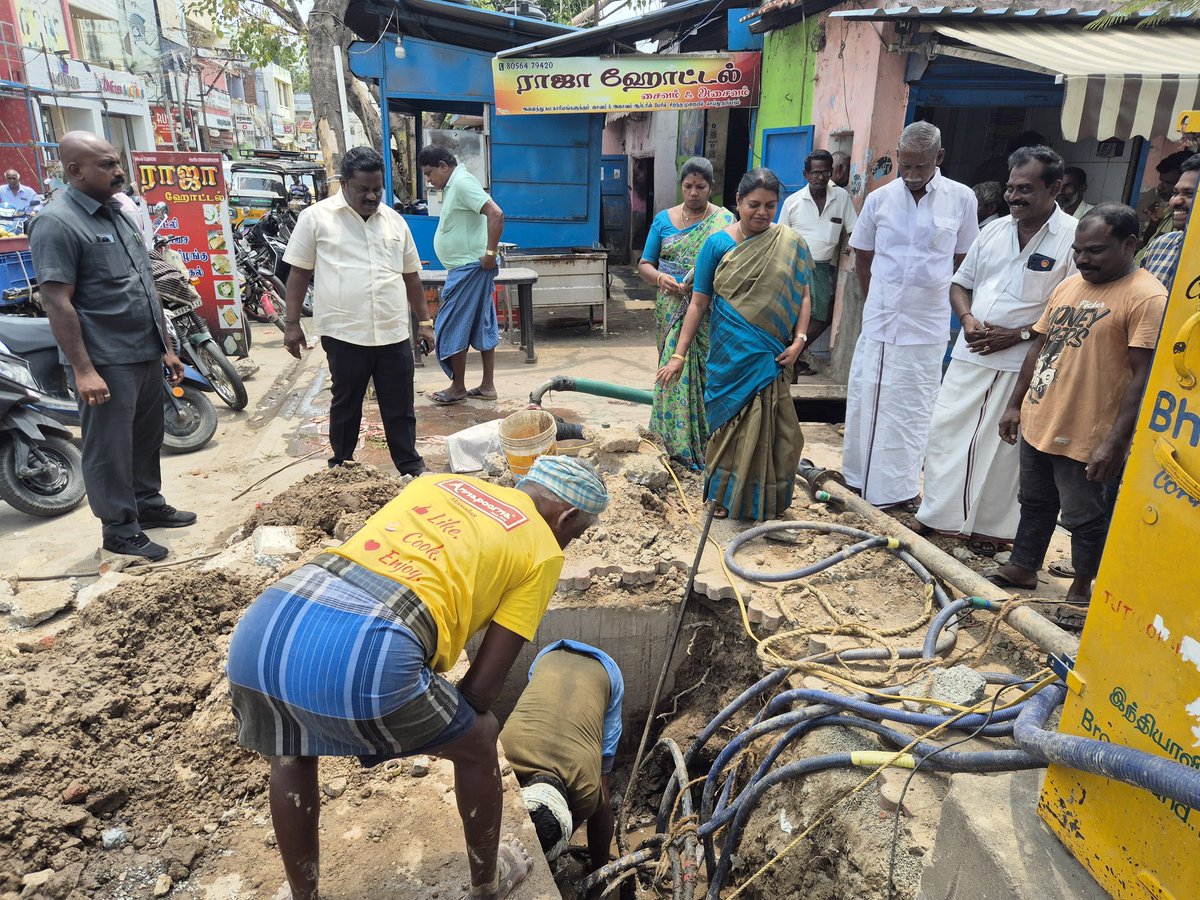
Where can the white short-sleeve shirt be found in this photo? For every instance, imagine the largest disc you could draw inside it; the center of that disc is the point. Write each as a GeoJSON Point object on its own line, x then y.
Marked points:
{"type": "Point", "coordinates": [821, 230]}
{"type": "Point", "coordinates": [914, 245]}
{"type": "Point", "coordinates": [1009, 285]}
{"type": "Point", "coordinates": [358, 265]}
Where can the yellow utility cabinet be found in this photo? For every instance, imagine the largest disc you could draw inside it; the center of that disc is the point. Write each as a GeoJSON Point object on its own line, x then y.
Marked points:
{"type": "Point", "coordinates": [1139, 655]}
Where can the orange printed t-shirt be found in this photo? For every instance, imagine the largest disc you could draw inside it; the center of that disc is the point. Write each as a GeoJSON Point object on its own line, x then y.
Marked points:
{"type": "Point", "coordinates": [1083, 368]}
{"type": "Point", "coordinates": [472, 551]}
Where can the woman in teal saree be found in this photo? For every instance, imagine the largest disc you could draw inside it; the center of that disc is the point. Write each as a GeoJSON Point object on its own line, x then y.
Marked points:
{"type": "Point", "coordinates": [675, 238]}
{"type": "Point", "coordinates": [755, 277]}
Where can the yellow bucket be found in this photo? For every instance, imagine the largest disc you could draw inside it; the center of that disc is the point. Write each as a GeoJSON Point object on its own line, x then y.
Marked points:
{"type": "Point", "coordinates": [526, 435]}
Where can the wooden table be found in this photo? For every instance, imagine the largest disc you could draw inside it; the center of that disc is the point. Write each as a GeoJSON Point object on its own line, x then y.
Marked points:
{"type": "Point", "coordinates": [523, 279]}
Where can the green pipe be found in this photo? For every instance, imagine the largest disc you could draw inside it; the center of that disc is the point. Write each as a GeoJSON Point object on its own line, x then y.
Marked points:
{"type": "Point", "coordinates": [591, 386]}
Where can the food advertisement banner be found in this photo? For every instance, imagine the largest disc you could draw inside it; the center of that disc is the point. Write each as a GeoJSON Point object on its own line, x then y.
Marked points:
{"type": "Point", "coordinates": [595, 84]}
{"type": "Point", "coordinates": [192, 185]}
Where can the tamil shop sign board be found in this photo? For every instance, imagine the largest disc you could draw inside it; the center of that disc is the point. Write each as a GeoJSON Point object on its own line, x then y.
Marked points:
{"type": "Point", "coordinates": [193, 187]}
{"type": "Point", "coordinates": [625, 83]}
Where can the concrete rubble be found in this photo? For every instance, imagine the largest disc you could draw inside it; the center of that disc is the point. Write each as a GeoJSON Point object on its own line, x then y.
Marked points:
{"type": "Point", "coordinates": [39, 601]}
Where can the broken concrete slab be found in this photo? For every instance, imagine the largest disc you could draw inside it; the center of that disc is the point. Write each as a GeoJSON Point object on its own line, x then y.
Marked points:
{"type": "Point", "coordinates": [38, 602]}
{"type": "Point", "coordinates": [6, 595]}
{"type": "Point", "coordinates": [644, 470]}
{"type": "Point", "coordinates": [237, 555]}
{"type": "Point", "coordinates": [617, 440]}
{"type": "Point", "coordinates": [274, 543]}
{"type": "Point", "coordinates": [99, 588]}
{"type": "Point", "coordinates": [960, 685]}
{"type": "Point", "coordinates": [991, 845]}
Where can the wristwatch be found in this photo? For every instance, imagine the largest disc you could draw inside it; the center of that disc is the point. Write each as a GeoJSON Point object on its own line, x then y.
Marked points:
{"type": "Point", "coordinates": [1026, 334]}
{"type": "Point", "coordinates": [489, 252]}
{"type": "Point", "coordinates": [425, 323]}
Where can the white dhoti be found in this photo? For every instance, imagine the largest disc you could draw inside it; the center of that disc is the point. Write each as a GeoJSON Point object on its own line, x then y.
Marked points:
{"type": "Point", "coordinates": [970, 474]}
{"type": "Point", "coordinates": [889, 402]}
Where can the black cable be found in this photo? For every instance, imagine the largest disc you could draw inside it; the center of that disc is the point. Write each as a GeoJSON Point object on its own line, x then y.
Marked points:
{"type": "Point", "coordinates": [891, 883]}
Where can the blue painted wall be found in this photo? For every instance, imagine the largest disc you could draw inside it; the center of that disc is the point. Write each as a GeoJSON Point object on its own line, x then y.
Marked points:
{"type": "Point", "coordinates": [545, 169]}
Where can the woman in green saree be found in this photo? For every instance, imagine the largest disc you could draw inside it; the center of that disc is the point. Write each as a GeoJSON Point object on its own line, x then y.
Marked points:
{"type": "Point", "coordinates": [755, 276]}
{"type": "Point", "coordinates": [675, 238]}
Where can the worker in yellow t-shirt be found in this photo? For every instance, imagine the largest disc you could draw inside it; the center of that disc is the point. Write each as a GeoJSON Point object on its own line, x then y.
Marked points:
{"type": "Point", "coordinates": [341, 658]}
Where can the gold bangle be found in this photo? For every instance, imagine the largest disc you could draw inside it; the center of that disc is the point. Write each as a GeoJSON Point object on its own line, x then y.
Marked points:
{"type": "Point", "coordinates": [679, 357]}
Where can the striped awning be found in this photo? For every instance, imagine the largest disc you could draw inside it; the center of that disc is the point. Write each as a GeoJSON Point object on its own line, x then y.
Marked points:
{"type": "Point", "coordinates": [1119, 82]}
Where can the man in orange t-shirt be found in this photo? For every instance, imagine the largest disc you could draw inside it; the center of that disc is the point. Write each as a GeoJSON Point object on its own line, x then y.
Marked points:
{"type": "Point", "coordinates": [1075, 404]}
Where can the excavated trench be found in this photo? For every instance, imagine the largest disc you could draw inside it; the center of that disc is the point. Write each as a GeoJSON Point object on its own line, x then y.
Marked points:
{"type": "Point", "coordinates": [118, 767]}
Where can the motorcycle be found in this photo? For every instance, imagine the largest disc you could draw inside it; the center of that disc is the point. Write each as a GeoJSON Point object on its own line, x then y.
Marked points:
{"type": "Point", "coordinates": [41, 471]}
{"type": "Point", "coordinates": [12, 221]}
{"type": "Point", "coordinates": [267, 240]}
{"type": "Point", "coordinates": [190, 419]}
{"type": "Point", "coordinates": [262, 292]}
{"type": "Point", "coordinates": [180, 301]}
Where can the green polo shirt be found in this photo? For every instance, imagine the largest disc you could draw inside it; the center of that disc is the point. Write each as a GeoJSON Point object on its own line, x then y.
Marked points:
{"type": "Point", "coordinates": [461, 235]}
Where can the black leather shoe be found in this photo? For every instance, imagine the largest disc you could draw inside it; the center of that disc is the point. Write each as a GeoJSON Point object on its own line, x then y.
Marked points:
{"type": "Point", "coordinates": [135, 545]}
{"type": "Point", "coordinates": [165, 517]}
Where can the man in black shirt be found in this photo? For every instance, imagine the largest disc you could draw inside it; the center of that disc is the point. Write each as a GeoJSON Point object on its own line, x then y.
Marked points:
{"type": "Point", "coordinates": [98, 291]}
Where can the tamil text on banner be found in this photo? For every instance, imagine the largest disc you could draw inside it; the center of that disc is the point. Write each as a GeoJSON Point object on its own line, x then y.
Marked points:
{"type": "Point", "coordinates": [625, 83]}
{"type": "Point", "coordinates": [192, 185]}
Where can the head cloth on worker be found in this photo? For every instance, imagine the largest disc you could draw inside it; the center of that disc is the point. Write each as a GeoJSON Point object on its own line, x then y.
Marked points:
{"type": "Point", "coordinates": [571, 480]}
{"type": "Point", "coordinates": [542, 798]}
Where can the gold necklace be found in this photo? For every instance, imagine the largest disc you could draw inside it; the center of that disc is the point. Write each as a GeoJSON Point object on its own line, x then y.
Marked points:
{"type": "Point", "coordinates": [742, 231]}
{"type": "Point", "coordinates": [683, 214]}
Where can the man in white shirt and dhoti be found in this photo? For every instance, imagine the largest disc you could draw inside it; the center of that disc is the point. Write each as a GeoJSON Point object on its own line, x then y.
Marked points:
{"type": "Point", "coordinates": [910, 236]}
{"type": "Point", "coordinates": [998, 293]}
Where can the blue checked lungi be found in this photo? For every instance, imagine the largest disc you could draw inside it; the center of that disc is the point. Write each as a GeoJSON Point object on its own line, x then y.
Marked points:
{"type": "Point", "coordinates": [333, 661]}
{"type": "Point", "coordinates": [467, 315]}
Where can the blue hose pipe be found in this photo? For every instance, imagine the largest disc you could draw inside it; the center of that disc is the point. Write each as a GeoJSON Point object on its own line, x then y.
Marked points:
{"type": "Point", "coordinates": [1160, 776]}
{"type": "Point", "coordinates": [996, 724]}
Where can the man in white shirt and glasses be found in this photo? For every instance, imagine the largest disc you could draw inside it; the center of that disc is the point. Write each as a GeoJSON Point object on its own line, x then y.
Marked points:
{"type": "Point", "coordinates": [367, 272]}
{"type": "Point", "coordinates": [821, 213]}
{"type": "Point", "coordinates": [911, 235]}
{"type": "Point", "coordinates": [999, 293]}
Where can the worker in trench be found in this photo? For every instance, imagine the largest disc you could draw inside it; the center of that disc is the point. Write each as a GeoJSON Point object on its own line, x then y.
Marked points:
{"type": "Point", "coordinates": [343, 657]}
{"type": "Point", "coordinates": [562, 740]}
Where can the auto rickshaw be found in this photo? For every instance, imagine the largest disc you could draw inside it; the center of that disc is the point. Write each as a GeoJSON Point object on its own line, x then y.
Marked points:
{"type": "Point", "coordinates": [269, 176]}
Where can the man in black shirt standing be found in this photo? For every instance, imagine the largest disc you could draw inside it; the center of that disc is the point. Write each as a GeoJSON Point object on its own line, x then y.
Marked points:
{"type": "Point", "coordinates": [98, 291]}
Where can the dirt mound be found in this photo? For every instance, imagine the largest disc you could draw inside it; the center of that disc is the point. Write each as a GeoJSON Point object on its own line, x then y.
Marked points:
{"type": "Point", "coordinates": [337, 500]}
{"type": "Point", "coordinates": [99, 742]}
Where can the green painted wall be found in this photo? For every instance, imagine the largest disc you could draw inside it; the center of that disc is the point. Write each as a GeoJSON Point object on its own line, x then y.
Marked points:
{"type": "Point", "coordinates": [786, 95]}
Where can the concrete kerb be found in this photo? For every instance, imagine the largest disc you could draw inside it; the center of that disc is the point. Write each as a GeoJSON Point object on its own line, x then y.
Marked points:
{"type": "Point", "coordinates": [991, 845]}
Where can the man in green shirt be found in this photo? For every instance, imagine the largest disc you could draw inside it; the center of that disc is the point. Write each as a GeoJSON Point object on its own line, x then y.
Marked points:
{"type": "Point", "coordinates": [468, 233]}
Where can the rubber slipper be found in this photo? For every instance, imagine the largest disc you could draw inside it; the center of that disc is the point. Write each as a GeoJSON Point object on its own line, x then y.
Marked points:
{"type": "Point", "coordinates": [477, 394]}
{"type": "Point", "coordinates": [987, 548]}
{"type": "Point", "coordinates": [1001, 580]}
{"type": "Point", "coordinates": [445, 398]}
{"type": "Point", "coordinates": [1060, 569]}
{"type": "Point", "coordinates": [1071, 616]}
{"type": "Point", "coordinates": [909, 506]}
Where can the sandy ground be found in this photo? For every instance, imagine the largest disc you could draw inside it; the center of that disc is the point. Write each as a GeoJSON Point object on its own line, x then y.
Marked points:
{"type": "Point", "coordinates": [123, 722]}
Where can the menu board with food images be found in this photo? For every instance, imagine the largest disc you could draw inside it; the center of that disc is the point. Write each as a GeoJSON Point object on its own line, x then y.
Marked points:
{"type": "Point", "coordinates": [192, 185]}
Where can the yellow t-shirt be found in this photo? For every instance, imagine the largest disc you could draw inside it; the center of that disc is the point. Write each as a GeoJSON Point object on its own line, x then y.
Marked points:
{"type": "Point", "coordinates": [472, 551]}
{"type": "Point", "coordinates": [1083, 368]}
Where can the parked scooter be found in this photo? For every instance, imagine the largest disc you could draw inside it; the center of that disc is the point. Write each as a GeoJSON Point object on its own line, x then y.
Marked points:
{"type": "Point", "coordinates": [190, 419]}
{"type": "Point", "coordinates": [196, 345]}
{"type": "Point", "coordinates": [41, 471]}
